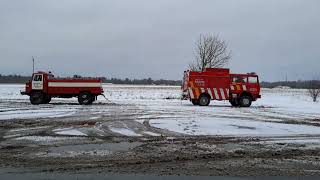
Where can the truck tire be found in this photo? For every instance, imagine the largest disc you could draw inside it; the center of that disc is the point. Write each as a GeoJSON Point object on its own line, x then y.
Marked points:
{"type": "Point", "coordinates": [245, 101]}
{"type": "Point", "coordinates": [85, 98]}
{"type": "Point", "coordinates": [195, 102]}
{"type": "Point", "coordinates": [36, 98]}
{"type": "Point", "coordinates": [234, 102]}
{"type": "Point", "coordinates": [47, 99]}
{"type": "Point", "coordinates": [92, 99]}
{"type": "Point", "coordinates": [204, 100]}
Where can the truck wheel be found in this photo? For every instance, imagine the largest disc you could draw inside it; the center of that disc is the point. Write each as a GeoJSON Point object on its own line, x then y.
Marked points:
{"type": "Point", "coordinates": [234, 102]}
{"type": "Point", "coordinates": [195, 102]}
{"type": "Point", "coordinates": [93, 98]}
{"type": "Point", "coordinates": [36, 98]}
{"type": "Point", "coordinates": [204, 100]}
{"type": "Point", "coordinates": [245, 101]}
{"type": "Point", "coordinates": [85, 98]}
{"type": "Point", "coordinates": [47, 99]}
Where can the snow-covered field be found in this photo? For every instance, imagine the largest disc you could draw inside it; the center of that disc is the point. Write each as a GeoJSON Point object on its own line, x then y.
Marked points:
{"type": "Point", "coordinates": [280, 112]}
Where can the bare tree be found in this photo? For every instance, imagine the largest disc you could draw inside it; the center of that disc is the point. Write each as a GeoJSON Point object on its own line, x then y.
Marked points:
{"type": "Point", "coordinates": [314, 90]}
{"type": "Point", "coordinates": [211, 52]}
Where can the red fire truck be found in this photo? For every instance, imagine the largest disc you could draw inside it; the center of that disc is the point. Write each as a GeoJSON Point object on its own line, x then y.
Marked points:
{"type": "Point", "coordinates": [219, 84]}
{"type": "Point", "coordinates": [45, 86]}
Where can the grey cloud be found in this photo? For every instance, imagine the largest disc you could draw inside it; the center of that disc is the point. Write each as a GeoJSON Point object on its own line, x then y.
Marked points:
{"type": "Point", "coordinates": [155, 38]}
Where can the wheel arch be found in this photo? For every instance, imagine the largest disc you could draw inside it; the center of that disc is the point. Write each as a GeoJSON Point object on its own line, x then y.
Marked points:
{"type": "Point", "coordinates": [33, 91]}
{"type": "Point", "coordinates": [85, 91]}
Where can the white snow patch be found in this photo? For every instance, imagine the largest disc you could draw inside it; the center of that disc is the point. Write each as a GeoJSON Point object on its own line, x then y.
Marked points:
{"type": "Point", "coordinates": [75, 153]}
{"type": "Point", "coordinates": [297, 141]}
{"type": "Point", "coordinates": [96, 117]}
{"type": "Point", "coordinates": [69, 131]}
{"type": "Point", "coordinates": [11, 136]}
{"type": "Point", "coordinates": [276, 105]}
{"type": "Point", "coordinates": [28, 129]}
{"type": "Point", "coordinates": [139, 121]}
{"type": "Point", "coordinates": [151, 133]}
{"type": "Point", "coordinates": [36, 113]}
{"type": "Point", "coordinates": [233, 127]}
{"type": "Point", "coordinates": [124, 131]}
{"type": "Point", "coordinates": [44, 138]}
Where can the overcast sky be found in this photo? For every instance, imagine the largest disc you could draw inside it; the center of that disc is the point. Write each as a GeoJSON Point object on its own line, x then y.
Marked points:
{"type": "Point", "coordinates": [156, 38]}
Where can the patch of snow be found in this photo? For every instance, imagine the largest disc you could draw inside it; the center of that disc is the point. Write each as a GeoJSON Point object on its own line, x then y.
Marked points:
{"type": "Point", "coordinates": [139, 121]}
{"type": "Point", "coordinates": [11, 136]}
{"type": "Point", "coordinates": [96, 117]}
{"type": "Point", "coordinates": [28, 129]}
{"type": "Point", "coordinates": [124, 131]}
{"type": "Point", "coordinates": [266, 117]}
{"type": "Point", "coordinates": [151, 133]}
{"type": "Point", "coordinates": [233, 127]}
{"type": "Point", "coordinates": [69, 131]}
{"type": "Point", "coordinates": [297, 141]}
{"type": "Point", "coordinates": [293, 140]}
{"type": "Point", "coordinates": [44, 138]}
{"type": "Point", "coordinates": [282, 87]}
{"type": "Point", "coordinates": [35, 113]}
{"type": "Point", "coordinates": [75, 153]}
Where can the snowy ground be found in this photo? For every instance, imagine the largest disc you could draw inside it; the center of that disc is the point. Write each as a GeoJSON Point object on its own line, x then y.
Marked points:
{"type": "Point", "coordinates": [148, 129]}
{"type": "Point", "coordinates": [280, 112]}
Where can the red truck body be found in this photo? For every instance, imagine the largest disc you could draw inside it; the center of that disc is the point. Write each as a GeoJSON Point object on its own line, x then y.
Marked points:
{"type": "Point", "coordinates": [45, 86]}
{"type": "Point", "coordinates": [220, 84]}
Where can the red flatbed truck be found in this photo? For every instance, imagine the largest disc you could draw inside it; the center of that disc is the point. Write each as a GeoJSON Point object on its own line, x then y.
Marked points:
{"type": "Point", "coordinates": [219, 84]}
{"type": "Point", "coordinates": [44, 86]}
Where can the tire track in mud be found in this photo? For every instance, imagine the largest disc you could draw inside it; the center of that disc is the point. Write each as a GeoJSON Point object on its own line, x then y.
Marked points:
{"type": "Point", "coordinates": [33, 124]}
{"type": "Point", "coordinates": [129, 119]}
{"type": "Point", "coordinates": [278, 117]}
{"type": "Point", "coordinates": [103, 117]}
{"type": "Point", "coordinates": [157, 156]}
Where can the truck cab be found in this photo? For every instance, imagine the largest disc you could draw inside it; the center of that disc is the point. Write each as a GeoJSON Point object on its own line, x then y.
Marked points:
{"type": "Point", "coordinates": [244, 88]}
{"type": "Point", "coordinates": [37, 83]}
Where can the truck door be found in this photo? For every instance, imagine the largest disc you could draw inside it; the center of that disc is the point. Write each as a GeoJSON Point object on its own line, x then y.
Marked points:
{"type": "Point", "coordinates": [37, 82]}
{"type": "Point", "coordinates": [253, 85]}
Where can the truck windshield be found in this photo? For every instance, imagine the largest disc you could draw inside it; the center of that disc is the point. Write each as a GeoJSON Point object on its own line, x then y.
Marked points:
{"type": "Point", "coordinates": [37, 77]}
{"type": "Point", "coordinates": [239, 79]}
{"type": "Point", "coordinates": [253, 80]}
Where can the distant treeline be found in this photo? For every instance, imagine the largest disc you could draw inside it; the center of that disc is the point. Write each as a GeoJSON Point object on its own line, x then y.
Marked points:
{"type": "Point", "coordinates": [14, 79]}
{"type": "Point", "coordinates": [292, 84]}
{"type": "Point", "coordinates": [149, 81]}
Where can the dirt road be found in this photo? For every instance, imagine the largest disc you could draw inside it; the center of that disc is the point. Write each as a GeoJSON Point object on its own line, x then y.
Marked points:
{"type": "Point", "coordinates": [48, 145]}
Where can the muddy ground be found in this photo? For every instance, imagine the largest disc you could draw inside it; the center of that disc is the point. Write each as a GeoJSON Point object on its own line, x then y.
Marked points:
{"type": "Point", "coordinates": [31, 145]}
